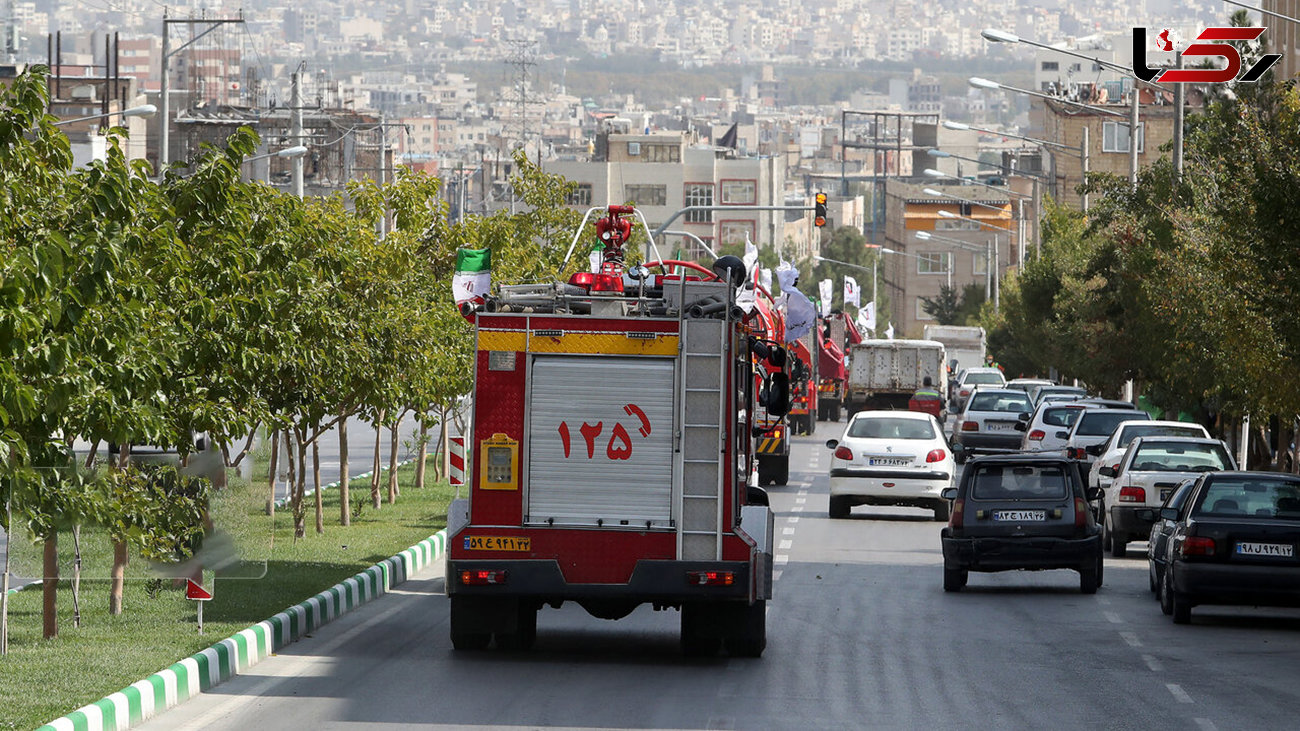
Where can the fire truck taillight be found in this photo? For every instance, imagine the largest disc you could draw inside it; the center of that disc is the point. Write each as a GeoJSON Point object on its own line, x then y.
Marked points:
{"type": "Point", "coordinates": [482, 577]}
{"type": "Point", "coordinates": [710, 578]}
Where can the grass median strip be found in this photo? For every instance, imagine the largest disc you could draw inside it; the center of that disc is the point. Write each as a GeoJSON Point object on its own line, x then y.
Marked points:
{"type": "Point", "coordinates": [43, 680]}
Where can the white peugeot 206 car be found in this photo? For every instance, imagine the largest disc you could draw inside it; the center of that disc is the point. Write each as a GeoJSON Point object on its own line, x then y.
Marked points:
{"type": "Point", "coordinates": [891, 458]}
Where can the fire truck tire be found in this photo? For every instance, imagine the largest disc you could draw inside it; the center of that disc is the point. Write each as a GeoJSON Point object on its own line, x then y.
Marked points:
{"type": "Point", "coordinates": [465, 638]}
{"type": "Point", "coordinates": [525, 633]}
{"type": "Point", "coordinates": [699, 632]}
{"type": "Point", "coordinates": [752, 638]}
{"type": "Point", "coordinates": [773, 470]}
{"type": "Point", "coordinates": [835, 412]}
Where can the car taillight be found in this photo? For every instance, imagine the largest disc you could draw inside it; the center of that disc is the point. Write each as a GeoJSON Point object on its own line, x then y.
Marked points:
{"type": "Point", "coordinates": [1132, 494]}
{"type": "Point", "coordinates": [1197, 546]}
{"type": "Point", "coordinates": [957, 516]}
{"type": "Point", "coordinates": [965, 392]}
{"type": "Point", "coordinates": [1037, 435]}
{"type": "Point", "coordinates": [844, 453]}
{"type": "Point", "coordinates": [936, 455]}
{"type": "Point", "coordinates": [482, 577]}
{"type": "Point", "coordinates": [1080, 513]}
{"type": "Point", "coordinates": [970, 426]}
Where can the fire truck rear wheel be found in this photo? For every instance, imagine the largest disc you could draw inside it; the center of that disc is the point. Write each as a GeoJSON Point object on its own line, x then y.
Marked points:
{"type": "Point", "coordinates": [752, 639]}
{"type": "Point", "coordinates": [773, 470]}
{"type": "Point", "coordinates": [835, 412]}
{"type": "Point", "coordinates": [699, 631]}
{"type": "Point", "coordinates": [525, 633]}
{"type": "Point", "coordinates": [464, 635]}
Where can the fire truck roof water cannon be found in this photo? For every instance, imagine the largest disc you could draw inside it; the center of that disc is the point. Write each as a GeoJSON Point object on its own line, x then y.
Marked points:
{"type": "Point", "coordinates": [612, 449]}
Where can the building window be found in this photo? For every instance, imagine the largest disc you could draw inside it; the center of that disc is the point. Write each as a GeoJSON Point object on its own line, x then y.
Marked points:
{"type": "Point", "coordinates": [955, 224]}
{"type": "Point", "coordinates": [646, 195]}
{"type": "Point", "coordinates": [698, 194]}
{"type": "Point", "coordinates": [1114, 137]}
{"type": "Point", "coordinates": [739, 192]}
{"type": "Point", "coordinates": [1051, 66]}
{"type": "Point", "coordinates": [980, 264]}
{"type": "Point", "coordinates": [581, 195]}
{"type": "Point", "coordinates": [932, 263]}
{"type": "Point", "coordinates": [634, 148]}
{"type": "Point", "coordinates": [660, 153]}
{"type": "Point", "coordinates": [736, 232]}
{"type": "Point", "coordinates": [921, 314]}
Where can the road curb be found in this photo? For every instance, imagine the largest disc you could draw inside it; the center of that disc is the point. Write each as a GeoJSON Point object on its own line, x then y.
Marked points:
{"type": "Point", "coordinates": [220, 662]}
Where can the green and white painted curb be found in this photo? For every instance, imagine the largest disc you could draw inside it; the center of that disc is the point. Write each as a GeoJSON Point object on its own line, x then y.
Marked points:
{"type": "Point", "coordinates": [197, 673]}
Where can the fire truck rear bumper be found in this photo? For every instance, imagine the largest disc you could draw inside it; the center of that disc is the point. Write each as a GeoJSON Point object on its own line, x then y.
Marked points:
{"type": "Point", "coordinates": [651, 581]}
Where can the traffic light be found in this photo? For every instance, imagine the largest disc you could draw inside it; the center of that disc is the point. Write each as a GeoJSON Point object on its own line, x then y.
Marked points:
{"type": "Point", "coordinates": [819, 210]}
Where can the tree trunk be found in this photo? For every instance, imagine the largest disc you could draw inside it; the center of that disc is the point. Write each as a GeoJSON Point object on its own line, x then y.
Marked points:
{"type": "Point", "coordinates": [76, 576]}
{"type": "Point", "coordinates": [374, 474]}
{"type": "Point", "coordinates": [345, 498]}
{"type": "Point", "coordinates": [275, 464]}
{"type": "Point", "coordinates": [298, 481]}
{"type": "Point", "coordinates": [116, 577]}
{"type": "Point", "coordinates": [4, 588]}
{"type": "Point", "coordinates": [394, 432]}
{"type": "Point", "coordinates": [315, 477]}
{"type": "Point", "coordinates": [50, 587]}
{"type": "Point", "coordinates": [423, 453]}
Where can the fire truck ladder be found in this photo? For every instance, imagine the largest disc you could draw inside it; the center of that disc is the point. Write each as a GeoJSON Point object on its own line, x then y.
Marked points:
{"type": "Point", "coordinates": [702, 445]}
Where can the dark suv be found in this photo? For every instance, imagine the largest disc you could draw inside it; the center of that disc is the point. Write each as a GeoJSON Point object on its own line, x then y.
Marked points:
{"type": "Point", "coordinates": [1021, 512]}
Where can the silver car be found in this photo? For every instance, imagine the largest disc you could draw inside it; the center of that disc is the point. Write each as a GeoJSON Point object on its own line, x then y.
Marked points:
{"type": "Point", "coordinates": [989, 421]}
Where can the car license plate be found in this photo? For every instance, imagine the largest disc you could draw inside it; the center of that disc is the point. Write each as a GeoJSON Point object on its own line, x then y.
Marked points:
{"type": "Point", "coordinates": [1020, 515]}
{"type": "Point", "coordinates": [999, 426]}
{"type": "Point", "coordinates": [1283, 550]}
{"type": "Point", "coordinates": [888, 461]}
{"type": "Point", "coordinates": [498, 543]}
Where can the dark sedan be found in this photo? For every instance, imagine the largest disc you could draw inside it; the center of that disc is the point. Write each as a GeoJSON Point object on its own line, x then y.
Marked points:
{"type": "Point", "coordinates": [1236, 544]}
{"type": "Point", "coordinates": [1158, 542]}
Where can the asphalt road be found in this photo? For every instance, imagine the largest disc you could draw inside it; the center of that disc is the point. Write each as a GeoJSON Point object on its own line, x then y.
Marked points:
{"type": "Point", "coordinates": [860, 634]}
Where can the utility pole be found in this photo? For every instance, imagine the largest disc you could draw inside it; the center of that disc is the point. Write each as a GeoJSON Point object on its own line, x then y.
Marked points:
{"type": "Point", "coordinates": [296, 129]}
{"type": "Point", "coordinates": [164, 137]}
{"type": "Point", "coordinates": [1084, 164]}
{"type": "Point", "coordinates": [1179, 101]}
{"type": "Point", "coordinates": [1133, 138]}
{"type": "Point", "coordinates": [522, 55]}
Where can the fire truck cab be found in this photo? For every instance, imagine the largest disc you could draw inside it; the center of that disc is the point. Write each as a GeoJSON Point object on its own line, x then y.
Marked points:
{"type": "Point", "coordinates": [611, 456]}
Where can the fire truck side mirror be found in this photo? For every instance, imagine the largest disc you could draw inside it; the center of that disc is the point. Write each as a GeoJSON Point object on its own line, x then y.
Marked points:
{"type": "Point", "coordinates": [776, 394]}
{"type": "Point", "coordinates": [730, 268]}
{"type": "Point", "coordinates": [776, 357]}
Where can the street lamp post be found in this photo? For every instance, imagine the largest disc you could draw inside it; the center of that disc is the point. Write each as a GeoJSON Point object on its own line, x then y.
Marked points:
{"type": "Point", "coordinates": [999, 36]}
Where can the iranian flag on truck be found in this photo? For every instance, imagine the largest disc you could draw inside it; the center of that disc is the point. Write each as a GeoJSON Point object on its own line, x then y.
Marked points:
{"type": "Point", "coordinates": [473, 276]}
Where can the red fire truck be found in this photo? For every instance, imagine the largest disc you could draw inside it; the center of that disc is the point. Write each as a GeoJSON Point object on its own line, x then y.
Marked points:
{"type": "Point", "coordinates": [770, 428]}
{"type": "Point", "coordinates": [612, 452]}
{"type": "Point", "coordinates": [805, 406]}
{"type": "Point", "coordinates": [839, 332]}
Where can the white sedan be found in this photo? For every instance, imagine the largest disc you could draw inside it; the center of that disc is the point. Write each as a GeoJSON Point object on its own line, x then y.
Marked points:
{"type": "Point", "coordinates": [891, 458]}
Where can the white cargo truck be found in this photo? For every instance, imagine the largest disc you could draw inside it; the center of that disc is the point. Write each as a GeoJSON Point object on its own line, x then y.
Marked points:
{"type": "Point", "coordinates": [883, 374]}
{"type": "Point", "coordinates": [965, 345]}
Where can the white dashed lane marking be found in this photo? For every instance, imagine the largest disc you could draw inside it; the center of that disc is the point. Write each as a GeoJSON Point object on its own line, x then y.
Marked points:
{"type": "Point", "coordinates": [797, 509]}
{"type": "Point", "coordinates": [1131, 638]}
{"type": "Point", "coordinates": [1179, 693]}
{"type": "Point", "coordinates": [1155, 665]}
{"type": "Point", "coordinates": [787, 531]}
{"type": "Point", "coordinates": [1113, 618]}
{"type": "Point", "coordinates": [785, 545]}
{"type": "Point", "coordinates": [792, 519]}
{"type": "Point", "coordinates": [781, 559]}
{"type": "Point", "coordinates": [776, 574]}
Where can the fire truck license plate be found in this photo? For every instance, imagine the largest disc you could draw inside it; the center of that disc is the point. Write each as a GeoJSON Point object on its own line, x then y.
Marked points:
{"type": "Point", "coordinates": [497, 543]}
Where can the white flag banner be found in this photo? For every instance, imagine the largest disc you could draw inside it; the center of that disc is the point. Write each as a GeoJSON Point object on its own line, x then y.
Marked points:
{"type": "Point", "coordinates": [851, 292]}
{"type": "Point", "coordinates": [765, 279]}
{"type": "Point", "coordinates": [751, 256]}
{"type": "Point", "coordinates": [867, 319]}
{"type": "Point", "coordinates": [746, 299]}
{"type": "Point", "coordinates": [800, 315]}
{"type": "Point", "coordinates": [787, 275]}
{"type": "Point", "coordinates": [825, 289]}
{"type": "Point", "coordinates": [889, 331]}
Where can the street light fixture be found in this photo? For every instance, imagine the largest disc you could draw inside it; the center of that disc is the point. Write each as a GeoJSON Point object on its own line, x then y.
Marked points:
{"type": "Point", "coordinates": [144, 110]}
{"type": "Point", "coordinates": [936, 152]}
{"type": "Point", "coordinates": [932, 173]}
{"type": "Point", "coordinates": [290, 152]}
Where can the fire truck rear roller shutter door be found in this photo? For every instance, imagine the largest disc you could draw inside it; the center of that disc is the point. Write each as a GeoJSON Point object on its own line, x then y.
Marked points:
{"type": "Point", "coordinates": [618, 465]}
